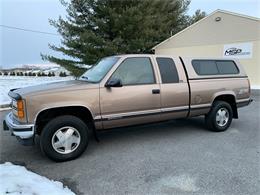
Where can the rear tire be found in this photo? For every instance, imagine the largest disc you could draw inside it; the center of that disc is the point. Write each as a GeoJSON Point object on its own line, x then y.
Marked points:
{"type": "Point", "coordinates": [220, 116]}
{"type": "Point", "coordinates": [64, 138]}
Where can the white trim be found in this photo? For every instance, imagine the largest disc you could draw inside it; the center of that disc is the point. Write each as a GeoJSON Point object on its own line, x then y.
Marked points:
{"type": "Point", "coordinates": [177, 108]}
{"type": "Point", "coordinates": [98, 117]}
{"type": "Point", "coordinates": [194, 24]}
{"type": "Point", "coordinates": [238, 14]}
{"type": "Point", "coordinates": [137, 113]}
{"type": "Point", "coordinates": [195, 106]}
{"type": "Point", "coordinates": [129, 114]}
{"type": "Point", "coordinates": [154, 111]}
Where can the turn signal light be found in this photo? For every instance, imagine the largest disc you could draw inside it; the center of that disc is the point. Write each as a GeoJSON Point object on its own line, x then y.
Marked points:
{"type": "Point", "coordinates": [20, 114]}
{"type": "Point", "coordinates": [20, 109]}
{"type": "Point", "coordinates": [20, 104]}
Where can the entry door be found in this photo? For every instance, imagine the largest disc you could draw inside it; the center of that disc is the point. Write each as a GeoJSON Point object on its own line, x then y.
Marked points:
{"type": "Point", "coordinates": [137, 101]}
{"type": "Point", "coordinates": [174, 88]}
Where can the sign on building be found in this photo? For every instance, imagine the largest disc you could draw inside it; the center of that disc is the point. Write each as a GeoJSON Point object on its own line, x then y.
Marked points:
{"type": "Point", "coordinates": [238, 50]}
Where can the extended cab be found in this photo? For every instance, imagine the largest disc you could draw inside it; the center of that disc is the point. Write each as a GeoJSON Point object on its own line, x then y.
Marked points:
{"type": "Point", "coordinates": [127, 90]}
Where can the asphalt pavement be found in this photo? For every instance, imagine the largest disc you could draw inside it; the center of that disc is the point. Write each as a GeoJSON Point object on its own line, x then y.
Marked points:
{"type": "Point", "coordinates": [174, 157]}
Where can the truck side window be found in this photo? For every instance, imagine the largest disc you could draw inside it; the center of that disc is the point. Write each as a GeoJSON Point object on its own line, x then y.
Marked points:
{"type": "Point", "coordinates": [214, 67]}
{"type": "Point", "coordinates": [168, 70]}
{"type": "Point", "coordinates": [227, 67]}
{"type": "Point", "coordinates": [135, 71]}
{"type": "Point", "coordinates": [205, 67]}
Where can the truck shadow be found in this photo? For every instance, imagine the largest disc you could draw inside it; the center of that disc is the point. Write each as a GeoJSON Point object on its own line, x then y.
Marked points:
{"type": "Point", "coordinates": [181, 129]}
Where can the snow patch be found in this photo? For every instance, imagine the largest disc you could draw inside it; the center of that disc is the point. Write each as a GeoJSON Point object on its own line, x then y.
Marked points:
{"type": "Point", "coordinates": [255, 86]}
{"type": "Point", "coordinates": [183, 183]}
{"type": "Point", "coordinates": [16, 179]}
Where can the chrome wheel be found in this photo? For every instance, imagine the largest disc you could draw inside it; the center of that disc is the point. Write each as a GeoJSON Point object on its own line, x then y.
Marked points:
{"type": "Point", "coordinates": [222, 117]}
{"type": "Point", "coordinates": [66, 140]}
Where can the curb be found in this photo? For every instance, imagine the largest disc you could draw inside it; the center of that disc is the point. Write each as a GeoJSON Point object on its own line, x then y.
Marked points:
{"type": "Point", "coordinates": [4, 107]}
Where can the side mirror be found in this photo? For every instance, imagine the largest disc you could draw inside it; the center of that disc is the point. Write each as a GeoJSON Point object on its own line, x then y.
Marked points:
{"type": "Point", "coordinates": [113, 83]}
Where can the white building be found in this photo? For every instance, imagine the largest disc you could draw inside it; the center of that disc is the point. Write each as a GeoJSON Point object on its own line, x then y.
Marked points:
{"type": "Point", "coordinates": [220, 34]}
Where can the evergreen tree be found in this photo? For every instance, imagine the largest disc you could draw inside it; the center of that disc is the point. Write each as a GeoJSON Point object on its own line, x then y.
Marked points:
{"type": "Point", "coordinates": [196, 17]}
{"type": "Point", "coordinates": [98, 28]}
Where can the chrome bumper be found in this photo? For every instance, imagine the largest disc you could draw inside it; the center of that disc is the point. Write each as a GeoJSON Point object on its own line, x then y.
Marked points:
{"type": "Point", "coordinates": [22, 131]}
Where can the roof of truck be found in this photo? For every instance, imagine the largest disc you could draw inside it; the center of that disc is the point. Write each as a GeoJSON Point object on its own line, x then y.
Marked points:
{"type": "Point", "coordinates": [171, 56]}
{"type": "Point", "coordinates": [187, 61]}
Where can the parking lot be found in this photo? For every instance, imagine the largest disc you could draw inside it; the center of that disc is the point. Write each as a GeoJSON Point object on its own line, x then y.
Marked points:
{"type": "Point", "coordinates": [175, 157]}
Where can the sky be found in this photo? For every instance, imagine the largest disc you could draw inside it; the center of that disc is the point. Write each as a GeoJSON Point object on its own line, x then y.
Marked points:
{"type": "Point", "coordinates": [20, 47]}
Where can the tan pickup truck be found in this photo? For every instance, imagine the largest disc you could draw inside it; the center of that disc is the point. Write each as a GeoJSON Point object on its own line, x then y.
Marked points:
{"type": "Point", "coordinates": [127, 90]}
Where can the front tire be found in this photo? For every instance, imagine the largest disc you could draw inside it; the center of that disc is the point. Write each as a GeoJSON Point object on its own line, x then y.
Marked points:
{"type": "Point", "coordinates": [220, 116]}
{"type": "Point", "coordinates": [64, 138]}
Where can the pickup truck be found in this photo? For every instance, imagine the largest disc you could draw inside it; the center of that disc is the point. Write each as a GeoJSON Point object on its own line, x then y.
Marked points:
{"type": "Point", "coordinates": [126, 90]}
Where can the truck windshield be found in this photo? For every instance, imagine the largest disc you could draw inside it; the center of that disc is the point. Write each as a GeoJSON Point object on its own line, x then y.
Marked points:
{"type": "Point", "coordinates": [99, 70]}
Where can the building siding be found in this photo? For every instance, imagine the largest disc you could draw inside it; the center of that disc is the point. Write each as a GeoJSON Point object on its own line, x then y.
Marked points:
{"type": "Point", "coordinates": [207, 39]}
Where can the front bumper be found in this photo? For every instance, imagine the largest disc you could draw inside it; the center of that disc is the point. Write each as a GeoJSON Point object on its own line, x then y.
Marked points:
{"type": "Point", "coordinates": [24, 132]}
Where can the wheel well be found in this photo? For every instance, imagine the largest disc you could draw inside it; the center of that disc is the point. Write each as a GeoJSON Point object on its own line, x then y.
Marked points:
{"type": "Point", "coordinates": [232, 102]}
{"type": "Point", "coordinates": [46, 115]}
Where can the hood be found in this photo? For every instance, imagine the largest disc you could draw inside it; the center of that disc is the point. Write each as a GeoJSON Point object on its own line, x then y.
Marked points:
{"type": "Point", "coordinates": [54, 87]}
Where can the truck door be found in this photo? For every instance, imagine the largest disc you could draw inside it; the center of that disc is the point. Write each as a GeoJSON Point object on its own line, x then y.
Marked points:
{"type": "Point", "coordinates": [137, 101]}
{"type": "Point", "coordinates": [174, 88]}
